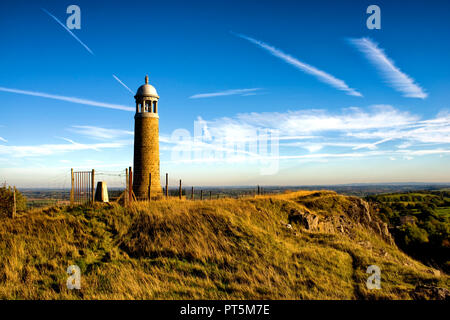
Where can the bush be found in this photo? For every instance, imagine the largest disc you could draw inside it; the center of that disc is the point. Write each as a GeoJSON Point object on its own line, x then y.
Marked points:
{"type": "Point", "coordinates": [413, 235]}
{"type": "Point", "coordinates": [6, 200]}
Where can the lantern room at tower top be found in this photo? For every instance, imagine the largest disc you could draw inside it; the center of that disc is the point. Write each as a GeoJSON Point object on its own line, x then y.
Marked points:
{"type": "Point", "coordinates": [146, 99]}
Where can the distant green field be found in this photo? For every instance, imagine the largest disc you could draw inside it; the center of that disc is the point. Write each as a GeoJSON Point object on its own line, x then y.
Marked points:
{"type": "Point", "coordinates": [445, 212]}
{"type": "Point", "coordinates": [38, 203]}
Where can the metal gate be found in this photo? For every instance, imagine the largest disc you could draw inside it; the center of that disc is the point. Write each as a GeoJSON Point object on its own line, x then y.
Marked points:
{"type": "Point", "coordinates": [82, 187]}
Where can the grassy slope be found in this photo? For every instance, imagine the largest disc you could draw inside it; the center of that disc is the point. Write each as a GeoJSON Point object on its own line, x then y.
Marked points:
{"type": "Point", "coordinates": [219, 249]}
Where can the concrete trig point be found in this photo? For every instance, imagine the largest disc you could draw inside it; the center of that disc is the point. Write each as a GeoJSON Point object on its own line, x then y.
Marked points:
{"type": "Point", "coordinates": [146, 143]}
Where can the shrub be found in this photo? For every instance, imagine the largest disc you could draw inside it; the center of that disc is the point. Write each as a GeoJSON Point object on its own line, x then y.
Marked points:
{"type": "Point", "coordinates": [6, 200]}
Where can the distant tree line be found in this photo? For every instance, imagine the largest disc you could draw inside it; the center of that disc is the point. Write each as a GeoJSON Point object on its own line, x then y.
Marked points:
{"type": "Point", "coordinates": [425, 234]}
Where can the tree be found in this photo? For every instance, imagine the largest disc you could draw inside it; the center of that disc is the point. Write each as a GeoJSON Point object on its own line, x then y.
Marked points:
{"type": "Point", "coordinates": [6, 200]}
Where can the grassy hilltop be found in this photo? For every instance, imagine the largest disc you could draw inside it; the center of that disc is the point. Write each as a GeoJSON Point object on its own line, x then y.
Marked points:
{"type": "Point", "coordinates": [300, 245]}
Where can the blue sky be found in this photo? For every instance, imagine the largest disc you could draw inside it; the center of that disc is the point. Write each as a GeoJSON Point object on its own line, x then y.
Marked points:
{"type": "Point", "coordinates": [345, 104]}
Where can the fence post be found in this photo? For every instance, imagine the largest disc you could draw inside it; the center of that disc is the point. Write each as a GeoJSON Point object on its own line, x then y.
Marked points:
{"type": "Point", "coordinates": [210, 195]}
{"type": "Point", "coordinates": [167, 185]}
{"type": "Point", "coordinates": [13, 213]}
{"type": "Point", "coordinates": [93, 186]}
{"type": "Point", "coordinates": [180, 192]}
{"type": "Point", "coordinates": [130, 185]}
{"type": "Point", "coordinates": [126, 188]}
{"type": "Point", "coordinates": [149, 186]}
{"type": "Point", "coordinates": [201, 194]}
{"type": "Point", "coordinates": [192, 193]}
{"type": "Point", "coordinates": [71, 189]}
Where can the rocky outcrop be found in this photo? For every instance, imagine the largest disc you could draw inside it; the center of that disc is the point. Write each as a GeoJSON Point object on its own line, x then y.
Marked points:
{"type": "Point", "coordinates": [310, 221]}
{"type": "Point", "coordinates": [356, 211]}
{"type": "Point", "coordinates": [426, 292]}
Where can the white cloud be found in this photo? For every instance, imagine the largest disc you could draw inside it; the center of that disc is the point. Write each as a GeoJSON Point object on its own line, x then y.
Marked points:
{"type": "Point", "coordinates": [50, 149]}
{"type": "Point", "coordinates": [312, 121]}
{"type": "Point", "coordinates": [305, 132]}
{"type": "Point", "coordinates": [319, 74]}
{"type": "Point", "coordinates": [432, 131]}
{"type": "Point", "coordinates": [69, 99]}
{"type": "Point", "coordinates": [3, 139]}
{"type": "Point", "coordinates": [242, 92]}
{"type": "Point", "coordinates": [100, 133]}
{"type": "Point", "coordinates": [371, 145]}
{"type": "Point", "coordinates": [424, 152]}
{"type": "Point", "coordinates": [392, 74]}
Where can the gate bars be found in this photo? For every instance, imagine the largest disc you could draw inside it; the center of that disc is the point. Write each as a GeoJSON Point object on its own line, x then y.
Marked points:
{"type": "Point", "coordinates": [82, 186]}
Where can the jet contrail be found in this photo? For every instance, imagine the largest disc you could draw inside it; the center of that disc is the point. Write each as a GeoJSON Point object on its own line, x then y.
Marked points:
{"type": "Point", "coordinates": [397, 79]}
{"type": "Point", "coordinates": [123, 84]}
{"type": "Point", "coordinates": [69, 99]}
{"type": "Point", "coordinates": [319, 74]}
{"type": "Point", "coordinates": [68, 30]}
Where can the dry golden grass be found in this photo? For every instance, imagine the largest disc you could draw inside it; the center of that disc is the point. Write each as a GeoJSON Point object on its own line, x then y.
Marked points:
{"type": "Point", "coordinates": [212, 249]}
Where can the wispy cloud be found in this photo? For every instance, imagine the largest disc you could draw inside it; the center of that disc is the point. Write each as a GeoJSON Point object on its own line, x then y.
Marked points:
{"type": "Point", "coordinates": [68, 30]}
{"type": "Point", "coordinates": [305, 132]}
{"type": "Point", "coordinates": [50, 149]}
{"type": "Point", "coordinates": [100, 133]}
{"type": "Point", "coordinates": [3, 139]}
{"type": "Point", "coordinates": [372, 145]}
{"type": "Point", "coordinates": [69, 99]}
{"type": "Point", "coordinates": [243, 92]}
{"type": "Point", "coordinates": [319, 74]}
{"type": "Point", "coordinates": [392, 74]}
{"type": "Point", "coordinates": [311, 121]}
{"type": "Point", "coordinates": [123, 84]}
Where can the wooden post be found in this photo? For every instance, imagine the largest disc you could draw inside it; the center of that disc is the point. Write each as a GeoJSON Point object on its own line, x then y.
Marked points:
{"type": "Point", "coordinates": [13, 213]}
{"type": "Point", "coordinates": [77, 187]}
{"type": "Point", "coordinates": [167, 185]}
{"type": "Point", "coordinates": [259, 190]}
{"type": "Point", "coordinates": [71, 190]}
{"type": "Point", "coordinates": [180, 192]}
{"type": "Point", "coordinates": [149, 186]}
{"type": "Point", "coordinates": [130, 185]}
{"type": "Point", "coordinates": [93, 186]}
{"type": "Point", "coordinates": [201, 194]}
{"type": "Point", "coordinates": [192, 193]}
{"type": "Point", "coordinates": [210, 195]}
{"type": "Point", "coordinates": [126, 188]}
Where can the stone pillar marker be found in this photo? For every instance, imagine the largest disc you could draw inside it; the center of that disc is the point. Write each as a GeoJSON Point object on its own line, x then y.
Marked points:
{"type": "Point", "coordinates": [101, 193]}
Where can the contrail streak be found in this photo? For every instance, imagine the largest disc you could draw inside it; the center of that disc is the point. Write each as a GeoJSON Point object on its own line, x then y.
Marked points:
{"type": "Point", "coordinates": [397, 79]}
{"type": "Point", "coordinates": [319, 74]}
{"type": "Point", "coordinates": [224, 93]}
{"type": "Point", "coordinates": [69, 99]}
{"type": "Point", "coordinates": [123, 84]}
{"type": "Point", "coordinates": [68, 30]}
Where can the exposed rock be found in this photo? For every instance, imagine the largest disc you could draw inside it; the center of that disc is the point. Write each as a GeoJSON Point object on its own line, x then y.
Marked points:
{"type": "Point", "coordinates": [426, 292]}
{"type": "Point", "coordinates": [308, 220]}
{"type": "Point", "coordinates": [434, 272]}
{"type": "Point", "coordinates": [359, 211]}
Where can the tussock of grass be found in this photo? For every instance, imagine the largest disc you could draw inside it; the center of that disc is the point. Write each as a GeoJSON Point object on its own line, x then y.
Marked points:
{"type": "Point", "coordinates": [218, 249]}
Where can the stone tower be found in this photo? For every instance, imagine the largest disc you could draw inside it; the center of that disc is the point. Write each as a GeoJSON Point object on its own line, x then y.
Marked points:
{"type": "Point", "coordinates": [146, 143]}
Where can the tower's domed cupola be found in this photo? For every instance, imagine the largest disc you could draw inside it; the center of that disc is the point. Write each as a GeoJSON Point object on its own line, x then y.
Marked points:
{"type": "Point", "coordinates": [146, 98]}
